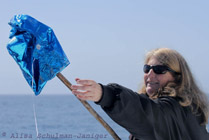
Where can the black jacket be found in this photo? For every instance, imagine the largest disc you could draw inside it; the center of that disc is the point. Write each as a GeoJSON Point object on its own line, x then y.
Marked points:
{"type": "Point", "coordinates": [146, 119]}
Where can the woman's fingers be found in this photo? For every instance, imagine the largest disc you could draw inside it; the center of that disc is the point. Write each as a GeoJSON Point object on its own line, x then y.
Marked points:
{"type": "Point", "coordinates": [92, 95]}
{"type": "Point", "coordinates": [87, 90]}
{"type": "Point", "coordinates": [79, 92]}
{"type": "Point", "coordinates": [85, 97]}
{"type": "Point", "coordinates": [85, 82]}
{"type": "Point", "coordinates": [81, 87]}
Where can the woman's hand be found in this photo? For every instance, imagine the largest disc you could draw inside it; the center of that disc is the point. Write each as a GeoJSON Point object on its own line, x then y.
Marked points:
{"type": "Point", "coordinates": [87, 90]}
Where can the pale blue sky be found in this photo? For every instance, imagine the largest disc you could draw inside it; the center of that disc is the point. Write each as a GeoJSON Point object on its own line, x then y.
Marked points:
{"type": "Point", "coordinates": [106, 40]}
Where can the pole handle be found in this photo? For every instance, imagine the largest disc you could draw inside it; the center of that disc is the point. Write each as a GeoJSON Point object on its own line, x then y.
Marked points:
{"type": "Point", "coordinates": [90, 109]}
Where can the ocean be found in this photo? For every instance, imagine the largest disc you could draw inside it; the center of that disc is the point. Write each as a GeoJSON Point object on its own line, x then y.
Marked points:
{"type": "Point", "coordinates": [58, 117]}
{"type": "Point", "coordinates": [52, 117]}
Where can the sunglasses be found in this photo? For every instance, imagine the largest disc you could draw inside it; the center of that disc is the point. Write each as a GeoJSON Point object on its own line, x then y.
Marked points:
{"type": "Point", "coordinates": [158, 69]}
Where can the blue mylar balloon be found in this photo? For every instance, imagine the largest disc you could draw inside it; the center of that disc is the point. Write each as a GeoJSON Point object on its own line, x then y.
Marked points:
{"type": "Point", "coordinates": [36, 50]}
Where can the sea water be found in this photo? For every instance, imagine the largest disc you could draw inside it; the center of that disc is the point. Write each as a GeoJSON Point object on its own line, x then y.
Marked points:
{"type": "Point", "coordinates": [58, 117]}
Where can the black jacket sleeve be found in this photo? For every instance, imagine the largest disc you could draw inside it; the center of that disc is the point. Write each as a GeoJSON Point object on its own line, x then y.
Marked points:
{"type": "Point", "coordinates": [146, 119]}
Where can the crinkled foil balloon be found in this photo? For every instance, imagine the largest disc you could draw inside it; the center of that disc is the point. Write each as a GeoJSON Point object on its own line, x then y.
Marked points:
{"type": "Point", "coordinates": [36, 50]}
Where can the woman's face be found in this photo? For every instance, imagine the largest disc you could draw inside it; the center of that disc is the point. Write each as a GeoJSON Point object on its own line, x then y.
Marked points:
{"type": "Point", "coordinates": [155, 81]}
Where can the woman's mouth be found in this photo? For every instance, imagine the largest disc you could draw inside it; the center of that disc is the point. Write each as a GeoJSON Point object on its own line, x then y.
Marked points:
{"type": "Point", "coordinates": [152, 87]}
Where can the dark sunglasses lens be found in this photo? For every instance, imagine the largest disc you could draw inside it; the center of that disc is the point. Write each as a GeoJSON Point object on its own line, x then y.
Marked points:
{"type": "Point", "coordinates": [146, 68]}
{"type": "Point", "coordinates": [160, 69]}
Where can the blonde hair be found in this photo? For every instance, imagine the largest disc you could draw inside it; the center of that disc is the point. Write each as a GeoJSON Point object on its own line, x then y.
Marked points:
{"type": "Point", "coordinates": [184, 85]}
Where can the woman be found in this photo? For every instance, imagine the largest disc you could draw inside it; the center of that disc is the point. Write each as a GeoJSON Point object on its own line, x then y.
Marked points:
{"type": "Point", "coordinates": [170, 106]}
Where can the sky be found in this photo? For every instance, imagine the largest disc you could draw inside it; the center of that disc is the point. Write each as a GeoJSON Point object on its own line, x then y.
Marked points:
{"type": "Point", "coordinates": [106, 40]}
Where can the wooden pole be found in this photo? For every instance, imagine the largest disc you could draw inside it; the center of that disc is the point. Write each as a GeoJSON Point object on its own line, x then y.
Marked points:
{"type": "Point", "coordinates": [90, 109]}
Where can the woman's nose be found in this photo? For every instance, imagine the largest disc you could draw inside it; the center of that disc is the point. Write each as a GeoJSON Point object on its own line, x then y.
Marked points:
{"type": "Point", "coordinates": [151, 73]}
